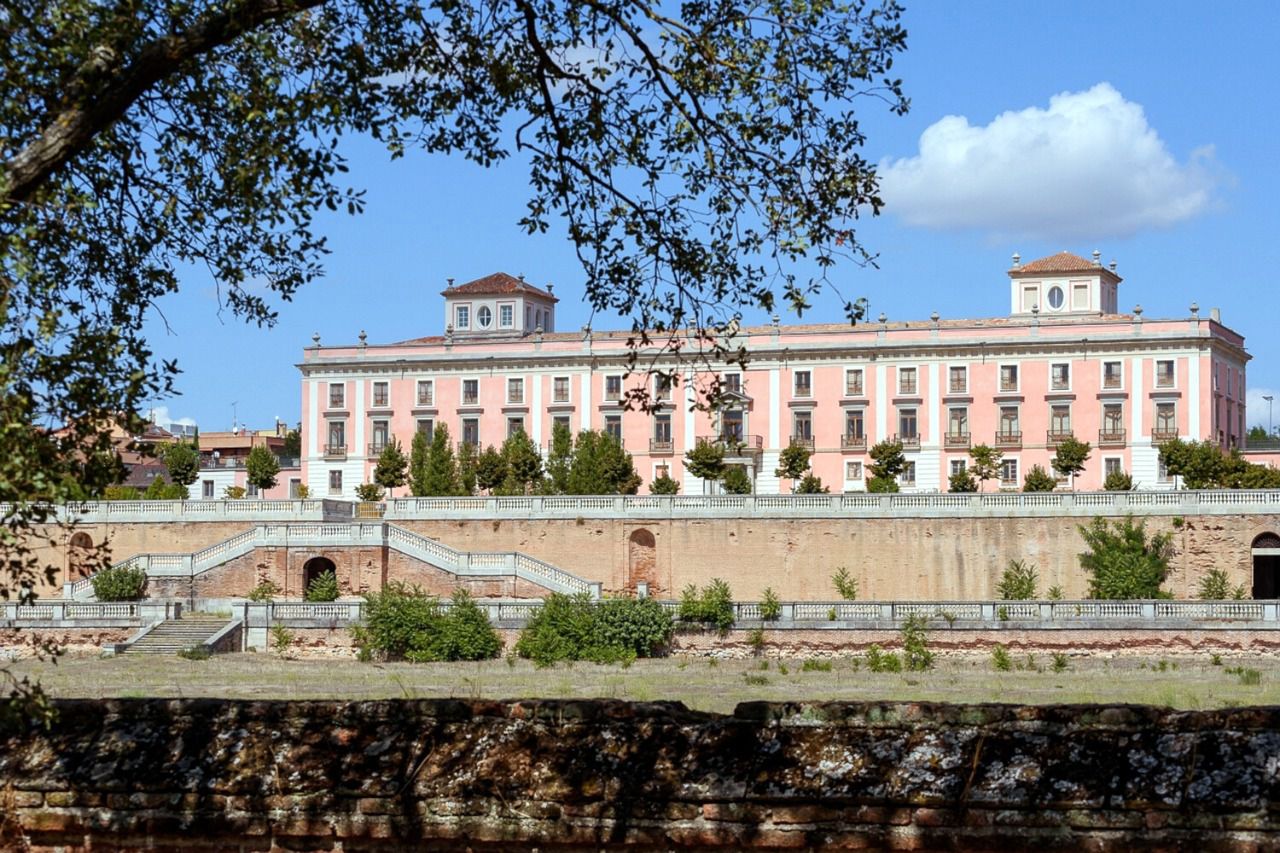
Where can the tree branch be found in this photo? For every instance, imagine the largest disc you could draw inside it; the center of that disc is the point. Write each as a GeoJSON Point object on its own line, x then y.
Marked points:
{"type": "Point", "coordinates": [102, 90]}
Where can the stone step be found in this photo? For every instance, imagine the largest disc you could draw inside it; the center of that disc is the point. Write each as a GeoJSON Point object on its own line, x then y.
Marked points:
{"type": "Point", "coordinates": [169, 638]}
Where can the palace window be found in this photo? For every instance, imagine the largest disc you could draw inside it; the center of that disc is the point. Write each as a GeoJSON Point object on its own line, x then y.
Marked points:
{"type": "Point", "coordinates": [335, 482]}
{"type": "Point", "coordinates": [908, 477]}
{"type": "Point", "coordinates": [802, 426]}
{"type": "Point", "coordinates": [560, 389]}
{"type": "Point", "coordinates": [337, 436]}
{"type": "Point", "coordinates": [1009, 472]}
{"type": "Point", "coordinates": [959, 466]}
{"type": "Point", "coordinates": [1060, 420]}
{"type": "Point", "coordinates": [1112, 377]}
{"type": "Point", "coordinates": [613, 388]}
{"type": "Point", "coordinates": [514, 425]}
{"type": "Point", "coordinates": [853, 470]}
{"type": "Point", "coordinates": [958, 421]}
{"type": "Point", "coordinates": [661, 388]}
{"type": "Point", "coordinates": [381, 395]}
{"type": "Point", "coordinates": [427, 426]}
{"type": "Point", "coordinates": [613, 426]}
{"type": "Point", "coordinates": [426, 392]}
{"type": "Point", "coordinates": [731, 382]}
{"type": "Point", "coordinates": [515, 390]}
{"type": "Point", "coordinates": [662, 430]}
{"type": "Point", "coordinates": [470, 392]}
{"type": "Point", "coordinates": [561, 420]}
{"type": "Point", "coordinates": [506, 316]}
{"type": "Point", "coordinates": [958, 380]}
{"type": "Point", "coordinates": [1009, 420]}
{"type": "Point", "coordinates": [462, 317]}
{"type": "Point", "coordinates": [337, 395]}
{"type": "Point", "coordinates": [854, 423]}
{"type": "Point", "coordinates": [471, 431]}
{"type": "Point", "coordinates": [803, 384]}
{"type": "Point", "coordinates": [1164, 374]}
{"type": "Point", "coordinates": [1111, 465]}
{"type": "Point", "coordinates": [1060, 377]}
{"type": "Point", "coordinates": [853, 382]}
{"type": "Point", "coordinates": [1008, 377]}
{"type": "Point", "coordinates": [908, 425]}
{"type": "Point", "coordinates": [484, 317]}
{"type": "Point", "coordinates": [380, 430]}
{"type": "Point", "coordinates": [906, 380]}
{"type": "Point", "coordinates": [1166, 420]}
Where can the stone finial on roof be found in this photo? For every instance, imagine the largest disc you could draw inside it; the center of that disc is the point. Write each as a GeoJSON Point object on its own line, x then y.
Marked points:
{"type": "Point", "coordinates": [1113, 264]}
{"type": "Point", "coordinates": [883, 318]}
{"type": "Point", "coordinates": [364, 338]}
{"type": "Point", "coordinates": [1017, 260]}
{"type": "Point", "coordinates": [1195, 309]}
{"type": "Point", "coordinates": [315, 339]}
{"type": "Point", "coordinates": [1097, 258]}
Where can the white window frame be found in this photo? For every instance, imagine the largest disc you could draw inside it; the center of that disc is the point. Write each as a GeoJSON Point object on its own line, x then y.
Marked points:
{"type": "Point", "coordinates": [1109, 461]}
{"type": "Point", "coordinates": [462, 394]}
{"type": "Point", "coordinates": [1017, 378]}
{"type": "Point", "coordinates": [482, 323]}
{"type": "Point", "coordinates": [964, 372]}
{"type": "Point", "coordinates": [958, 465]}
{"type": "Point", "coordinates": [1173, 376]}
{"type": "Point", "coordinates": [808, 385]}
{"type": "Point", "coordinates": [914, 373]}
{"type": "Point", "coordinates": [206, 490]}
{"type": "Point", "coordinates": [568, 389]}
{"type": "Point", "coordinates": [856, 466]}
{"type": "Point", "coordinates": [373, 395]}
{"type": "Point", "coordinates": [509, 310]}
{"type": "Point", "coordinates": [1063, 305]}
{"type": "Point", "coordinates": [908, 475]}
{"type": "Point", "coordinates": [1017, 471]}
{"type": "Point", "coordinates": [462, 316]}
{"type": "Point", "coordinates": [1055, 364]}
{"type": "Point", "coordinates": [428, 399]}
{"type": "Point", "coordinates": [850, 373]}
{"type": "Point", "coordinates": [335, 474]}
{"type": "Point", "coordinates": [1102, 374]}
{"type": "Point", "coordinates": [342, 403]}
{"type": "Point", "coordinates": [514, 382]}
{"type": "Point", "coordinates": [610, 396]}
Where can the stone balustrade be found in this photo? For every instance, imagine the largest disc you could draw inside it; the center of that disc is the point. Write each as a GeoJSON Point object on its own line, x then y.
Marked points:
{"type": "Point", "coordinates": [62, 613]}
{"type": "Point", "coordinates": [117, 512]}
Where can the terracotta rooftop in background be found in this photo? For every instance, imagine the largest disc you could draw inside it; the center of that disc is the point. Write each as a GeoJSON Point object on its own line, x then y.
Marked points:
{"type": "Point", "coordinates": [1062, 262]}
{"type": "Point", "coordinates": [497, 283]}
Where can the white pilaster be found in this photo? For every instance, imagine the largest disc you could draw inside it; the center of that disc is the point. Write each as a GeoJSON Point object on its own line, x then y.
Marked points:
{"type": "Point", "coordinates": [585, 398]}
{"type": "Point", "coordinates": [357, 415]}
{"type": "Point", "coordinates": [776, 409]}
{"type": "Point", "coordinates": [535, 407]}
{"type": "Point", "coordinates": [882, 404]}
{"type": "Point", "coordinates": [314, 389]}
{"type": "Point", "coordinates": [1136, 400]}
{"type": "Point", "coordinates": [1193, 396]}
{"type": "Point", "coordinates": [934, 437]}
{"type": "Point", "coordinates": [690, 397]}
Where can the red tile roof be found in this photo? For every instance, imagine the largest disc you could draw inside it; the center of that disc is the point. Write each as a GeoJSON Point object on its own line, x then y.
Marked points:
{"type": "Point", "coordinates": [1062, 262]}
{"type": "Point", "coordinates": [497, 284]}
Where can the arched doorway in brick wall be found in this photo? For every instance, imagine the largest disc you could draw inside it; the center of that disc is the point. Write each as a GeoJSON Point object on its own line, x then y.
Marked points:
{"type": "Point", "coordinates": [1266, 566]}
{"type": "Point", "coordinates": [642, 561]}
{"type": "Point", "coordinates": [314, 568]}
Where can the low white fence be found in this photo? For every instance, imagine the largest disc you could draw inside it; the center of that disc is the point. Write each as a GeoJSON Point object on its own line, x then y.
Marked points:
{"type": "Point", "coordinates": [103, 512]}
{"type": "Point", "coordinates": [62, 613]}
{"type": "Point", "coordinates": [855, 505]}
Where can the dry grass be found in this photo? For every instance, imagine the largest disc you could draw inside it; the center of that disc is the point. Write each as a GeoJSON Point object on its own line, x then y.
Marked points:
{"type": "Point", "coordinates": [1182, 682]}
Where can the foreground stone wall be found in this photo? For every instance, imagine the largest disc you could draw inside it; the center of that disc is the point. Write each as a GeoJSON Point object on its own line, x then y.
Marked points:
{"type": "Point", "coordinates": [451, 774]}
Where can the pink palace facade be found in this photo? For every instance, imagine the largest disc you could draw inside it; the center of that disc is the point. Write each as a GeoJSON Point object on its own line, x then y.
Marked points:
{"type": "Point", "coordinates": [1063, 362]}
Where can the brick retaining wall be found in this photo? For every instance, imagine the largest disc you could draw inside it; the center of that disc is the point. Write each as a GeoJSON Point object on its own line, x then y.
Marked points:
{"type": "Point", "coordinates": [452, 774]}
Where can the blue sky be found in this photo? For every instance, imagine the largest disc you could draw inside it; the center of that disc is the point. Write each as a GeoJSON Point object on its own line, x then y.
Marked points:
{"type": "Point", "coordinates": [1145, 130]}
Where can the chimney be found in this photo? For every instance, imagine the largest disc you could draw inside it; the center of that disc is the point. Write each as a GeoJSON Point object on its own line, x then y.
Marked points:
{"type": "Point", "coordinates": [1215, 315]}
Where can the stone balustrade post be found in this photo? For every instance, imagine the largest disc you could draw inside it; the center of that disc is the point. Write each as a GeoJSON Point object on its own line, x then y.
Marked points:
{"type": "Point", "coordinates": [68, 590]}
{"type": "Point", "coordinates": [888, 612]}
{"type": "Point", "coordinates": [642, 589]}
{"type": "Point", "coordinates": [1046, 611]}
{"type": "Point", "coordinates": [1269, 612]}
{"type": "Point", "coordinates": [989, 609]}
{"type": "Point", "coordinates": [788, 612]}
{"type": "Point", "coordinates": [1149, 611]}
{"type": "Point", "coordinates": [595, 590]}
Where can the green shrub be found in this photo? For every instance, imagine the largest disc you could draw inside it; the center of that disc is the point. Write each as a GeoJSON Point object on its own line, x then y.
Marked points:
{"type": "Point", "coordinates": [233, 493]}
{"type": "Point", "coordinates": [664, 485]}
{"type": "Point", "coordinates": [1059, 662]}
{"type": "Point", "coordinates": [962, 482]}
{"type": "Point", "coordinates": [712, 605]}
{"type": "Point", "coordinates": [573, 628]}
{"type": "Point", "coordinates": [281, 638]}
{"type": "Point", "coordinates": [755, 639]}
{"type": "Point", "coordinates": [1122, 562]}
{"type": "Point", "coordinates": [119, 584]}
{"type": "Point", "coordinates": [735, 480]}
{"type": "Point", "coordinates": [1055, 593]}
{"type": "Point", "coordinates": [915, 644]}
{"type": "Point", "coordinates": [1118, 481]}
{"type": "Point", "coordinates": [267, 590]}
{"type": "Point", "coordinates": [815, 665]}
{"type": "Point", "coordinates": [846, 585]}
{"type": "Point", "coordinates": [1018, 581]}
{"type": "Point", "coordinates": [404, 623]}
{"type": "Point", "coordinates": [770, 606]}
{"type": "Point", "coordinates": [879, 660]}
{"type": "Point", "coordinates": [195, 653]}
{"type": "Point", "coordinates": [323, 588]}
{"type": "Point", "coordinates": [1039, 480]}
{"type": "Point", "coordinates": [755, 679]}
{"type": "Point", "coordinates": [369, 492]}
{"type": "Point", "coordinates": [120, 493]}
{"type": "Point", "coordinates": [1000, 658]}
{"type": "Point", "coordinates": [1216, 586]}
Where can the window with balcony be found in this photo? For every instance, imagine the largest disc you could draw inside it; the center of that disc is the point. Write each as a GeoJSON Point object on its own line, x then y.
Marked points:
{"type": "Point", "coordinates": [908, 428]}
{"type": "Point", "coordinates": [381, 395]}
{"type": "Point", "coordinates": [613, 427]}
{"type": "Point", "coordinates": [426, 392]}
{"type": "Point", "coordinates": [855, 428]}
{"type": "Point", "coordinates": [560, 389]}
{"type": "Point", "coordinates": [1112, 424]}
{"type": "Point", "coordinates": [379, 433]}
{"type": "Point", "coordinates": [506, 316]}
{"type": "Point", "coordinates": [335, 482]}
{"type": "Point", "coordinates": [907, 380]}
{"type": "Point", "coordinates": [853, 470]}
{"type": "Point", "coordinates": [471, 431]}
{"type": "Point", "coordinates": [514, 425]}
{"type": "Point", "coordinates": [732, 425]}
{"type": "Point", "coordinates": [462, 317]}
{"type": "Point", "coordinates": [853, 382]}
{"type": "Point", "coordinates": [470, 392]}
{"type": "Point", "coordinates": [661, 442]}
{"type": "Point", "coordinates": [515, 390]}
{"type": "Point", "coordinates": [731, 382]}
{"type": "Point", "coordinates": [1009, 472]}
{"type": "Point", "coordinates": [802, 428]}
{"type": "Point", "coordinates": [1112, 376]}
{"type": "Point", "coordinates": [561, 420]}
{"type": "Point", "coordinates": [1060, 377]}
{"type": "Point", "coordinates": [1166, 425]}
{"type": "Point", "coordinates": [957, 426]}
{"type": "Point", "coordinates": [957, 379]}
{"type": "Point", "coordinates": [613, 388]}
{"type": "Point", "coordinates": [337, 441]}
{"type": "Point", "coordinates": [1164, 374]}
{"type": "Point", "coordinates": [1059, 422]}
{"type": "Point", "coordinates": [337, 395]}
{"type": "Point", "coordinates": [1008, 377]}
{"type": "Point", "coordinates": [803, 384]}
{"type": "Point", "coordinates": [427, 426]}
{"type": "Point", "coordinates": [1009, 429]}
{"type": "Point", "coordinates": [908, 476]}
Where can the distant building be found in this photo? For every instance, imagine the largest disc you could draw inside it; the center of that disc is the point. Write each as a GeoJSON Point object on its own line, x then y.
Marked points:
{"type": "Point", "coordinates": [1064, 362]}
{"type": "Point", "coordinates": [222, 463]}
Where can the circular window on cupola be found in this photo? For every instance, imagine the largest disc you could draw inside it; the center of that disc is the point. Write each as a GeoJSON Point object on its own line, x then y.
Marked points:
{"type": "Point", "coordinates": [1055, 298]}
{"type": "Point", "coordinates": [484, 317]}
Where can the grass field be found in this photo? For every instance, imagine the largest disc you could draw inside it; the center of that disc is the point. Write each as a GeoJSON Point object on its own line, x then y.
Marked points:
{"type": "Point", "coordinates": [700, 683]}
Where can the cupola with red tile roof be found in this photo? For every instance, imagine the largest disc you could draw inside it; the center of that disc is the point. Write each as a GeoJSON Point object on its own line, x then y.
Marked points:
{"type": "Point", "coordinates": [1061, 284]}
{"type": "Point", "coordinates": [498, 305]}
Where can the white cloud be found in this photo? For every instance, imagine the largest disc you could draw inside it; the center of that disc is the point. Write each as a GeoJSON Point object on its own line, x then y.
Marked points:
{"type": "Point", "coordinates": [1255, 408]}
{"type": "Point", "coordinates": [1089, 166]}
{"type": "Point", "coordinates": [160, 415]}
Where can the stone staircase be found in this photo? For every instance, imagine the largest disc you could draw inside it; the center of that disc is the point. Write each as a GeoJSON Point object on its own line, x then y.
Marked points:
{"type": "Point", "coordinates": [174, 635]}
